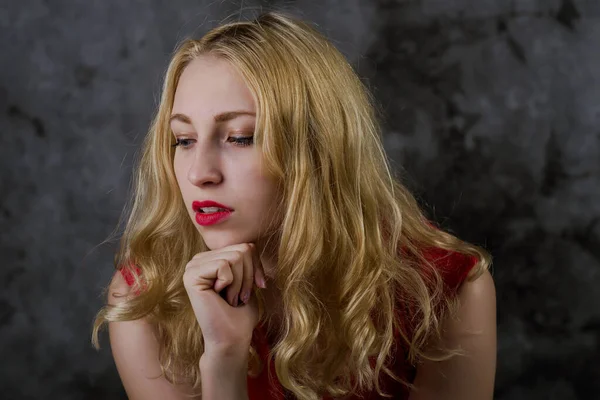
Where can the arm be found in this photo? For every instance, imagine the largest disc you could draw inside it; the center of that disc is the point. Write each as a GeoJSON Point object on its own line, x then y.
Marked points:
{"type": "Point", "coordinates": [223, 381]}
{"type": "Point", "coordinates": [135, 351]}
{"type": "Point", "coordinates": [469, 377]}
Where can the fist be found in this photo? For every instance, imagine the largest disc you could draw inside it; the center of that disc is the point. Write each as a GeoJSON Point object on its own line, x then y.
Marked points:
{"type": "Point", "coordinates": [226, 320]}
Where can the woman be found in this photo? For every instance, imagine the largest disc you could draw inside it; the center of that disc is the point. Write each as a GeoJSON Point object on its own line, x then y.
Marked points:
{"type": "Point", "coordinates": [269, 251]}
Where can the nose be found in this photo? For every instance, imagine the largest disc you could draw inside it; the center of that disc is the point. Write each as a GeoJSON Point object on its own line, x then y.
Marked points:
{"type": "Point", "coordinates": [205, 168]}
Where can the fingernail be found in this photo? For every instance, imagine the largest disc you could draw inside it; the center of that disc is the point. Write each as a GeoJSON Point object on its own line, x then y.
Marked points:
{"type": "Point", "coordinates": [262, 282]}
{"type": "Point", "coordinates": [245, 296]}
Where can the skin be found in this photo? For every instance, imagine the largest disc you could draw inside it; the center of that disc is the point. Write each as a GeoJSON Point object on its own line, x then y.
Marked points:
{"type": "Point", "coordinates": [469, 377]}
{"type": "Point", "coordinates": [209, 164]}
{"type": "Point", "coordinates": [216, 159]}
{"type": "Point", "coordinates": [212, 166]}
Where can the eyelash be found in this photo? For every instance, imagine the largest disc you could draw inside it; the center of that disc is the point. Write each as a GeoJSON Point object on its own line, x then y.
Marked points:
{"type": "Point", "coordinates": [243, 141]}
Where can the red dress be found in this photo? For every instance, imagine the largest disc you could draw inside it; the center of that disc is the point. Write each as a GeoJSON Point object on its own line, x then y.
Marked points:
{"type": "Point", "coordinates": [454, 268]}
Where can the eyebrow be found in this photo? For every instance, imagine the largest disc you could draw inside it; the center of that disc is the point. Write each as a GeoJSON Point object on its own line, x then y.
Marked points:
{"type": "Point", "coordinates": [222, 117]}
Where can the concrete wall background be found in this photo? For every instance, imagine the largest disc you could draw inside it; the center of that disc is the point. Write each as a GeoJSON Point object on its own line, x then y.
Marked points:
{"type": "Point", "coordinates": [492, 115]}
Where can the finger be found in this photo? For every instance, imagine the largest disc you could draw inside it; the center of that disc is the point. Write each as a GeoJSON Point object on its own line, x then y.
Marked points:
{"type": "Point", "coordinates": [259, 272]}
{"type": "Point", "coordinates": [214, 275]}
{"type": "Point", "coordinates": [232, 254]}
{"type": "Point", "coordinates": [225, 275]}
{"type": "Point", "coordinates": [215, 254]}
{"type": "Point", "coordinates": [248, 279]}
{"type": "Point", "coordinates": [237, 268]}
{"type": "Point", "coordinates": [208, 256]}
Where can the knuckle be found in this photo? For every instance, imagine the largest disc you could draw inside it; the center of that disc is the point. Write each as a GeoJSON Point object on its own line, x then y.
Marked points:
{"type": "Point", "coordinates": [190, 264]}
{"type": "Point", "coordinates": [245, 247]}
{"type": "Point", "coordinates": [238, 255]}
{"type": "Point", "coordinates": [187, 275]}
{"type": "Point", "coordinates": [223, 263]}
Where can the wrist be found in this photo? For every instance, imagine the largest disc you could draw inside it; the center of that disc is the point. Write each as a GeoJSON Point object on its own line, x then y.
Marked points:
{"type": "Point", "coordinates": [226, 363]}
{"type": "Point", "coordinates": [224, 378]}
{"type": "Point", "coordinates": [226, 354]}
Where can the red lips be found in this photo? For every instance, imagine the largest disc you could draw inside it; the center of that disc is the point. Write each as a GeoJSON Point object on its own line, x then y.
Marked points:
{"type": "Point", "coordinates": [197, 205]}
{"type": "Point", "coordinates": [206, 219]}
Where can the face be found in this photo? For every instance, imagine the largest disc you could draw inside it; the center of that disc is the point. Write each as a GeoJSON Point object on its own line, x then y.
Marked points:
{"type": "Point", "coordinates": [213, 120]}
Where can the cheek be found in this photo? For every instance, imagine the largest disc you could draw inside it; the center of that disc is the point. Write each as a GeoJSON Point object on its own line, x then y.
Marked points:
{"type": "Point", "coordinates": [269, 197]}
{"type": "Point", "coordinates": [255, 191]}
{"type": "Point", "coordinates": [178, 169]}
{"type": "Point", "coordinates": [181, 178]}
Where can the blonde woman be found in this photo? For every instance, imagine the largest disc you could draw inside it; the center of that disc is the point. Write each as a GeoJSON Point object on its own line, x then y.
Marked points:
{"type": "Point", "coordinates": [270, 253]}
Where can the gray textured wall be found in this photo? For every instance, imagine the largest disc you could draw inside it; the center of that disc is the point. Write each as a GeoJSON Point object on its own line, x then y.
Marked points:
{"type": "Point", "coordinates": [492, 113]}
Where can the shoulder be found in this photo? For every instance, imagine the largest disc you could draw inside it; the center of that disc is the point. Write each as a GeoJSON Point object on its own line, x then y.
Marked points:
{"type": "Point", "coordinates": [123, 280]}
{"type": "Point", "coordinates": [118, 289]}
{"type": "Point", "coordinates": [473, 330]}
{"type": "Point", "coordinates": [454, 267]}
{"type": "Point", "coordinates": [135, 349]}
{"type": "Point", "coordinates": [477, 313]}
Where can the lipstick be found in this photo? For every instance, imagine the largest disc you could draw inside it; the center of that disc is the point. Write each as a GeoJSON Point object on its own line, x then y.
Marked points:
{"type": "Point", "coordinates": [212, 217]}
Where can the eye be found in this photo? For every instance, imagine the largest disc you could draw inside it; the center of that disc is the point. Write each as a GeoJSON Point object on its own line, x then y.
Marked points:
{"type": "Point", "coordinates": [242, 141]}
{"type": "Point", "coordinates": [184, 143]}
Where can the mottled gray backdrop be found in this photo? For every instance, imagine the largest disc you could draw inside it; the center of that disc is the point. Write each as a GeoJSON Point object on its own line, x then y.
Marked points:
{"type": "Point", "coordinates": [492, 115]}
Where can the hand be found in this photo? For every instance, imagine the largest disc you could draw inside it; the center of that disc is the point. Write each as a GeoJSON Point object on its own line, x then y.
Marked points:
{"type": "Point", "coordinates": [226, 326]}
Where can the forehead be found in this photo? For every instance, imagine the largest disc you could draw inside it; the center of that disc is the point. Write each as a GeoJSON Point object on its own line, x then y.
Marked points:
{"type": "Point", "coordinates": [209, 85]}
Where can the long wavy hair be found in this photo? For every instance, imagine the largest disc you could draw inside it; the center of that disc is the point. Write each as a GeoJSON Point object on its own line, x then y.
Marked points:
{"type": "Point", "coordinates": [352, 240]}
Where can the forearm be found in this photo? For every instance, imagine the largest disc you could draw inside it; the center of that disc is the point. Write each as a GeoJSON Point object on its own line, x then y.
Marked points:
{"type": "Point", "coordinates": [223, 382]}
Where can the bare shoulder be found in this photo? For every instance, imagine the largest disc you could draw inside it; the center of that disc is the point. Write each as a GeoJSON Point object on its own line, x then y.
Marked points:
{"type": "Point", "coordinates": [478, 297]}
{"type": "Point", "coordinates": [118, 289]}
{"type": "Point", "coordinates": [472, 375]}
{"type": "Point", "coordinates": [135, 349]}
{"type": "Point", "coordinates": [476, 319]}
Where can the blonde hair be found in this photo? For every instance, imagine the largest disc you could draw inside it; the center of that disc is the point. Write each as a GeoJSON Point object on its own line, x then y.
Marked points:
{"type": "Point", "coordinates": [352, 241]}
